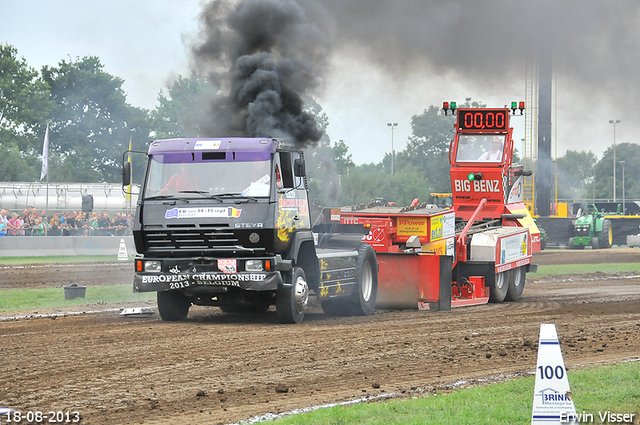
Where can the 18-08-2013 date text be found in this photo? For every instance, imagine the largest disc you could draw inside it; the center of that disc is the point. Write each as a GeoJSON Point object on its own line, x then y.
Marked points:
{"type": "Point", "coordinates": [37, 417]}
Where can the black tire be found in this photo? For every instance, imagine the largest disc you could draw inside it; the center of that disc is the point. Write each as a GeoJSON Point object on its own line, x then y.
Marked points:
{"type": "Point", "coordinates": [595, 244]}
{"type": "Point", "coordinates": [363, 300]}
{"type": "Point", "coordinates": [173, 306]}
{"type": "Point", "coordinates": [292, 300]}
{"type": "Point", "coordinates": [500, 287]}
{"type": "Point", "coordinates": [517, 277]}
{"type": "Point", "coordinates": [572, 246]}
{"type": "Point", "coordinates": [228, 308]}
{"type": "Point", "coordinates": [234, 308]}
{"type": "Point", "coordinates": [335, 308]}
{"type": "Point", "coordinates": [543, 241]}
{"type": "Point", "coordinates": [606, 234]}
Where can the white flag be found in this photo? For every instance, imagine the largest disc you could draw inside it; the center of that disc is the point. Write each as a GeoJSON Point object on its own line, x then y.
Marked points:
{"type": "Point", "coordinates": [45, 154]}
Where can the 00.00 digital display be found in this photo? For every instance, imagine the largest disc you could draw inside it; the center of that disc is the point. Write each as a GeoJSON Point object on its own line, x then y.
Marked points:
{"type": "Point", "coordinates": [489, 119]}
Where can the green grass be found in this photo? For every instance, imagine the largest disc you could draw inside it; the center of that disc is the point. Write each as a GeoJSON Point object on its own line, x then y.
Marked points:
{"type": "Point", "coordinates": [49, 298]}
{"type": "Point", "coordinates": [75, 259]}
{"type": "Point", "coordinates": [614, 388]}
{"type": "Point", "coordinates": [565, 269]}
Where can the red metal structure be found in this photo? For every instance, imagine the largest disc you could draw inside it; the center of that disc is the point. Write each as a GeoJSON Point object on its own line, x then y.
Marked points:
{"type": "Point", "coordinates": [479, 250]}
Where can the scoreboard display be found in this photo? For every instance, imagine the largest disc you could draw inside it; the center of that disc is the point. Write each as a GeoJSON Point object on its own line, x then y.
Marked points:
{"type": "Point", "coordinates": [483, 119]}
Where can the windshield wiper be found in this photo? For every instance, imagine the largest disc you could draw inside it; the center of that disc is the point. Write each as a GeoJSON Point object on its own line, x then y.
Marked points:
{"type": "Point", "coordinates": [228, 194]}
{"type": "Point", "coordinates": [235, 194]}
{"type": "Point", "coordinates": [203, 193]}
{"type": "Point", "coordinates": [219, 196]}
{"type": "Point", "coordinates": [160, 197]}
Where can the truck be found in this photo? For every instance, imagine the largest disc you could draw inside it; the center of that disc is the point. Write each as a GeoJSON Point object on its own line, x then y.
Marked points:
{"type": "Point", "coordinates": [477, 251]}
{"type": "Point", "coordinates": [226, 222]}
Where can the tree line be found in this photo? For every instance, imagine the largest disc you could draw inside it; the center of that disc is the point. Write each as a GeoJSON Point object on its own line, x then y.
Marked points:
{"type": "Point", "coordinates": [91, 125]}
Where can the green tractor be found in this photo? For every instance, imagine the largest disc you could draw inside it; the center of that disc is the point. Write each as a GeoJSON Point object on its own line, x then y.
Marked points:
{"type": "Point", "coordinates": [543, 238]}
{"type": "Point", "coordinates": [592, 228]}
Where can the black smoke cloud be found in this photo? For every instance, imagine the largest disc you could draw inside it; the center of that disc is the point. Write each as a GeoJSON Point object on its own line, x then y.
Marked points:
{"type": "Point", "coordinates": [264, 55]}
{"type": "Point", "coordinates": [595, 44]}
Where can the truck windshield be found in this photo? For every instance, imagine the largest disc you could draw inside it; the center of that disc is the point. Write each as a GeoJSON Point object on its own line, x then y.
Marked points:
{"type": "Point", "coordinates": [480, 148]}
{"type": "Point", "coordinates": [177, 175]}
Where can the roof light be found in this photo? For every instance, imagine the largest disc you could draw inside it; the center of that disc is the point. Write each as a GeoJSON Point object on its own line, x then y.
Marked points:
{"type": "Point", "coordinates": [446, 107]}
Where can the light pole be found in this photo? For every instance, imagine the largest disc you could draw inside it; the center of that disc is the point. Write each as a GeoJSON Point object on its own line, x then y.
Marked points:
{"type": "Point", "coordinates": [392, 125]}
{"type": "Point", "coordinates": [623, 195]}
{"type": "Point", "coordinates": [594, 183]}
{"type": "Point", "coordinates": [614, 122]}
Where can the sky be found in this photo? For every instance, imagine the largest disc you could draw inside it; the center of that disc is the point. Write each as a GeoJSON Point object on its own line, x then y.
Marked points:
{"type": "Point", "coordinates": [386, 62]}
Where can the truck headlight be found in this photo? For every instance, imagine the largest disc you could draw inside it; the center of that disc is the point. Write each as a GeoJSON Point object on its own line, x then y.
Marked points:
{"type": "Point", "coordinates": [153, 266]}
{"type": "Point", "coordinates": [253, 266]}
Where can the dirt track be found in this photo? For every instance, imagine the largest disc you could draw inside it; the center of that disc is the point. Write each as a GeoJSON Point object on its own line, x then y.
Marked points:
{"type": "Point", "coordinates": [218, 368]}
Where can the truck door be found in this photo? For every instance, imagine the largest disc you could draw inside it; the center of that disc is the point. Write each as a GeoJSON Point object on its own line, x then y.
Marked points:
{"type": "Point", "coordinates": [292, 213]}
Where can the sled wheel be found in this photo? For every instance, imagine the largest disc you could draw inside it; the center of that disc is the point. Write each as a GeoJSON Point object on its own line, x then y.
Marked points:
{"type": "Point", "coordinates": [500, 287]}
{"type": "Point", "coordinates": [173, 306]}
{"type": "Point", "coordinates": [292, 300]}
{"type": "Point", "coordinates": [363, 299]}
{"type": "Point", "coordinates": [606, 235]}
{"type": "Point", "coordinates": [517, 277]}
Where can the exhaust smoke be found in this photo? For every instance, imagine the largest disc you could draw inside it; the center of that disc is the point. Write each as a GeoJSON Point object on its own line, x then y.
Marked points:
{"type": "Point", "coordinates": [264, 55]}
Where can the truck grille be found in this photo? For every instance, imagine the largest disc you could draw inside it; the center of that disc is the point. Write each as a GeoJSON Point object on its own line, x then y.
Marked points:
{"type": "Point", "coordinates": [192, 237]}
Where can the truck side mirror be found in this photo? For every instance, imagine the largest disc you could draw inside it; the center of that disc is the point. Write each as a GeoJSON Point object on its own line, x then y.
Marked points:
{"type": "Point", "coordinates": [126, 174]}
{"type": "Point", "coordinates": [299, 168]}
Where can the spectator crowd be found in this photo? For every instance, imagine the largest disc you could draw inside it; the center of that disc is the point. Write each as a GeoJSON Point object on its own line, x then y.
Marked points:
{"type": "Point", "coordinates": [72, 223]}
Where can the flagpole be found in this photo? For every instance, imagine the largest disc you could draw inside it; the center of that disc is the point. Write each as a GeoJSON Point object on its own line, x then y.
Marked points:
{"type": "Point", "coordinates": [46, 205]}
{"type": "Point", "coordinates": [45, 170]}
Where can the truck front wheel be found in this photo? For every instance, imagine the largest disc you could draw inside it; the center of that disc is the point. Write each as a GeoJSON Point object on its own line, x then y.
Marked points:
{"type": "Point", "coordinates": [291, 301]}
{"type": "Point", "coordinates": [173, 306]}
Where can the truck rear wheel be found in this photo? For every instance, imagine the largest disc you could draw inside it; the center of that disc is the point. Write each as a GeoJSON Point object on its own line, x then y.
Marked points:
{"type": "Point", "coordinates": [235, 308]}
{"type": "Point", "coordinates": [173, 306]}
{"type": "Point", "coordinates": [363, 299]}
{"type": "Point", "coordinates": [335, 307]}
{"type": "Point", "coordinates": [517, 277]}
{"type": "Point", "coordinates": [291, 301]}
{"type": "Point", "coordinates": [498, 291]}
